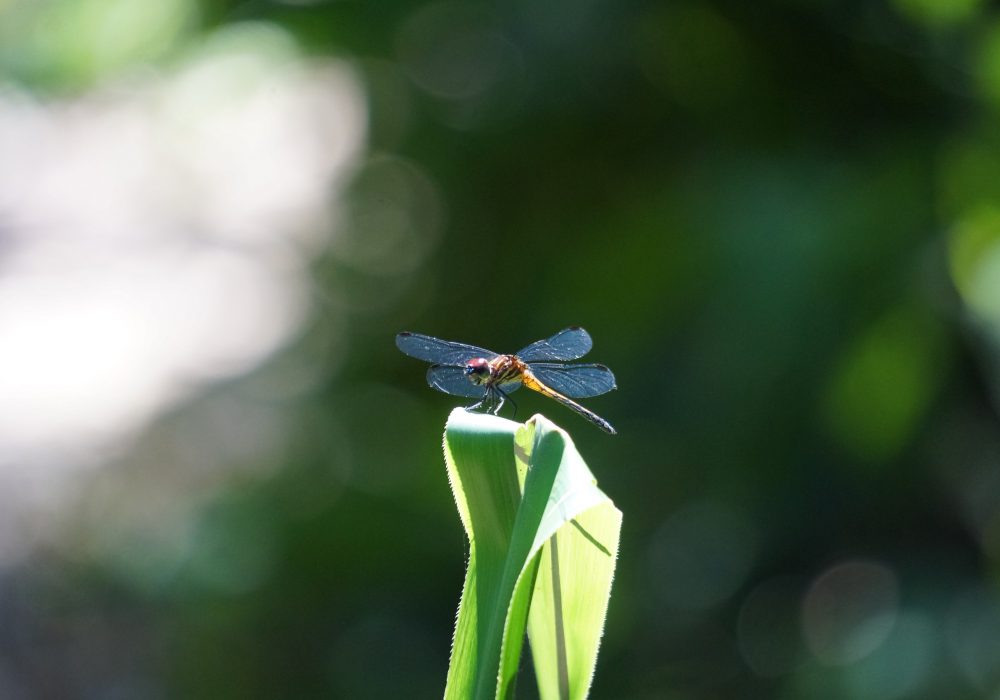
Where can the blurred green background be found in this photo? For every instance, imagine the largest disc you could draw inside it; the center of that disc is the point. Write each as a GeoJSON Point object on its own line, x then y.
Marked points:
{"type": "Point", "coordinates": [780, 221]}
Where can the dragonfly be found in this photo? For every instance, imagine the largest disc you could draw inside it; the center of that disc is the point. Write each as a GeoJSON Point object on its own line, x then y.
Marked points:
{"type": "Point", "coordinates": [544, 366]}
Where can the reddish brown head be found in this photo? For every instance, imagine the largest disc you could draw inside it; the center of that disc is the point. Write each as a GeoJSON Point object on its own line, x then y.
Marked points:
{"type": "Point", "coordinates": [477, 370]}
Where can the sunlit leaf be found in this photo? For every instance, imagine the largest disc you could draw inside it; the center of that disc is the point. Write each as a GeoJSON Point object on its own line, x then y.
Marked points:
{"type": "Point", "coordinates": [543, 538]}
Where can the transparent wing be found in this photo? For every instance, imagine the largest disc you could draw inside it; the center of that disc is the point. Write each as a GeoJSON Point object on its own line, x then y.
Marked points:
{"type": "Point", "coordinates": [568, 344]}
{"type": "Point", "coordinates": [510, 387]}
{"type": "Point", "coordinates": [452, 380]}
{"type": "Point", "coordinates": [442, 352]}
{"type": "Point", "coordinates": [575, 381]}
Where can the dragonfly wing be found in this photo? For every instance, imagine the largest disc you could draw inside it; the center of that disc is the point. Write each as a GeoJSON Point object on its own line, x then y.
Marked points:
{"type": "Point", "coordinates": [452, 380]}
{"type": "Point", "coordinates": [568, 344]}
{"type": "Point", "coordinates": [575, 381]}
{"type": "Point", "coordinates": [442, 352]}
{"type": "Point", "coordinates": [509, 387]}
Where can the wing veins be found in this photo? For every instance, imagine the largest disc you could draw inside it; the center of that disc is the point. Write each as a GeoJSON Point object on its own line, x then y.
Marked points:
{"type": "Point", "coordinates": [441, 352]}
{"type": "Point", "coordinates": [575, 381]}
{"type": "Point", "coordinates": [568, 344]}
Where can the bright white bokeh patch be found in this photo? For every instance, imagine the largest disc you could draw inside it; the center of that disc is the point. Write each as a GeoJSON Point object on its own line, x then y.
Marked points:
{"type": "Point", "coordinates": [155, 236]}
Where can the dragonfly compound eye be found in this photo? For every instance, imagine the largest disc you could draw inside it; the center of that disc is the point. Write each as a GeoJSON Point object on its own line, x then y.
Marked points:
{"type": "Point", "coordinates": [477, 370]}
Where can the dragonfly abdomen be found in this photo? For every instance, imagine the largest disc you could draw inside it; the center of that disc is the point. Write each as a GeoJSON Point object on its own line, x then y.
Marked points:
{"type": "Point", "coordinates": [533, 383]}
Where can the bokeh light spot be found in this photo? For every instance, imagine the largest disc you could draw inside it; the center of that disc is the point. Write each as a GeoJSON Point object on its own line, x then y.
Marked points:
{"type": "Point", "coordinates": [900, 666]}
{"type": "Point", "coordinates": [452, 49]}
{"type": "Point", "coordinates": [695, 54]}
{"type": "Point", "coordinates": [974, 248]}
{"type": "Point", "coordinates": [81, 42]}
{"type": "Point", "coordinates": [457, 52]}
{"type": "Point", "coordinates": [701, 555]}
{"type": "Point", "coordinates": [939, 13]}
{"type": "Point", "coordinates": [147, 558]}
{"type": "Point", "coordinates": [970, 176]}
{"type": "Point", "coordinates": [989, 65]}
{"type": "Point", "coordinates": [884, 383]}
{"type": "Point", "coordinates": [849, 611]}
{"type": "Point", "coordinates": [392, 218]}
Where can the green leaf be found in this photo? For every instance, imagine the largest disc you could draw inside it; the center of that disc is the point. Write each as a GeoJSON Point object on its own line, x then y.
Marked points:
{"type": "Point", "coordinates": [543, 542]}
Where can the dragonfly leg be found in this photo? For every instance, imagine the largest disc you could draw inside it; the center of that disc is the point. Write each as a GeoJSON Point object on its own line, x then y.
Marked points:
{"type": "Point", "coordinates": [498, 399]}
{"type": "Point", "coordinates": [506, 396]}
{"type": "Point", "coordinates": [479, 403]}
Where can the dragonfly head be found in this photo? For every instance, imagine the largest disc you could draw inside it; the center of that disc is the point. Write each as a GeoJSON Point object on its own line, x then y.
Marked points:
{"type": "Point", "coordinates": [477, 370]}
